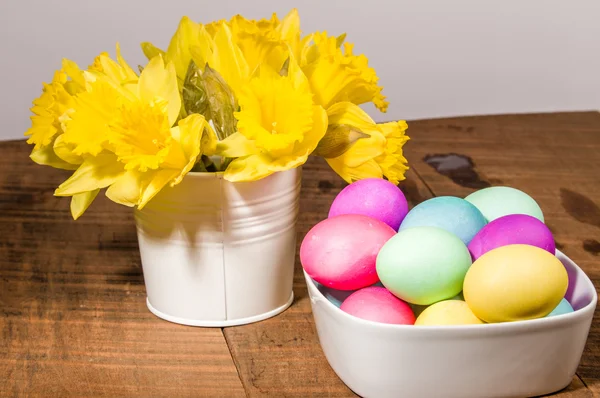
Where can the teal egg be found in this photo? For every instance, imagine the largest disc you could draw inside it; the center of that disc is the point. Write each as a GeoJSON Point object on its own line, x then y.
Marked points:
{"type": "Point", "coordinates": [564, 307]}
{"type": "Point", "coordinates": [453, 214]}
{"type": "Point", "coordinates": [423, 265]}
{"type": "Point", "coordinates": [496, 202]}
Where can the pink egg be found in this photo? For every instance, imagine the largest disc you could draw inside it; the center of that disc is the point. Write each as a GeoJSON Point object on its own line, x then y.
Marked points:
{"type": "Point", "coordinates": [512, 229]}
{"type": "Point", "coordinates": [373, 197]}
{"type": "Point", "coordinates": [379, 305]}
{"type": "Point", "coordinates": [340, 252]}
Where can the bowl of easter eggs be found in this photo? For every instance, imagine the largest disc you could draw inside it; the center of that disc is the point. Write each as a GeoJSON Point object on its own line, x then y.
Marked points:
{"type": "Point", "coordinates": [456, 297]}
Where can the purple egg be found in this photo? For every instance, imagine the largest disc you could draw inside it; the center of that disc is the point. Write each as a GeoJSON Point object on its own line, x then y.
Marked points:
{"type": "Point", "coordinates": [509, 230]}
{"type": "Point", "coordinates": [373, 197]}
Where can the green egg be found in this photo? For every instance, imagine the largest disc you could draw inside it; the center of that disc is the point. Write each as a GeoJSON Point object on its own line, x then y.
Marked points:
{"type": "Point", "coordinates": [495, 202]}
{"type": "Point", "coordinates": [423, 265]}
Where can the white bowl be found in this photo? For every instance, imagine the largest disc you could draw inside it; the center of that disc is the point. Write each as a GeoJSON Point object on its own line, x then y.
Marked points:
{"type": "Point", "coordinates": [515, 359]}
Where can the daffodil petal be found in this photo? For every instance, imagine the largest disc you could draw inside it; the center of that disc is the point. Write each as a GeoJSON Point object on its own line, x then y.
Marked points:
{"type": "Point", "coordinates": [236, 145]}
{"type": "Point", "coordinates": [186, 36]}
{"type": "Point", "coordinates": [129, 73]}
{"type": "Point", "coordinates": [189, 134]}
{"type": "Point", "coordinates": [156, 80]}
{"type": "Point", "coordinates": [290, 26]}
{"type": "Point", "coordinates": [65, 152]}
{"type": "Point", "coordinates": [250, 168]}
{"type": "Point", "coordinates": [81, 201]}
{"type": "Point", "coordinates": [128, 188]}
{"type": "Point", "coordinates": [158, 181]}
{"type": "Point", "coordinates": [228, 60]}
{"type": "Point", "coordinates": [94, 173]}
{"type": "Point", "coordinates": [47, 157]}
{"type": "Point", "coordinates": [369, 169]}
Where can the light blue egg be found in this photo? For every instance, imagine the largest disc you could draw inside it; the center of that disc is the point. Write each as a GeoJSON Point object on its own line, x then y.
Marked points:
{"type": "Point", "coordinates": [564, 307]}
{"type": "Point", "coordinates": [450, 213]}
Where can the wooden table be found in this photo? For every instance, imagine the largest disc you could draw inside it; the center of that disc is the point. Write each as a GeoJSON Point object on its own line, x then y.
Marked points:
{"type": "Point", "coordinates": [73, 317]}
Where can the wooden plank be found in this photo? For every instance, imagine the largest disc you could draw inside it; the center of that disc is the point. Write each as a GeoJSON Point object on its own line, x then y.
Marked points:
{"type": "Point", "coordinates": [282, 356]}
{"type": "Point", "coordinates": [553, 157]}
{"type": "Point", "coordinates": [73, 318]}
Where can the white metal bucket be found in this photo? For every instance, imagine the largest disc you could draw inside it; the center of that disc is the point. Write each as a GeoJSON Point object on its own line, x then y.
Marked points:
{"type": "Point", "coordinates": [216, 253]}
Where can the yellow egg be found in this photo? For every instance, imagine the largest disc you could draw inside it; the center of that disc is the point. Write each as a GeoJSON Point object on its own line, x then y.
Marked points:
{"type": "Point", "coordinates": [447, 312]}
{"type": "Point", "coordinates": [515, 282]}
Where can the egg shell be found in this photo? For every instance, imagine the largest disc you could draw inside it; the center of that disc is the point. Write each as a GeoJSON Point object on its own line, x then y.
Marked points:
{"type": "Point", "coordinates": [495, 202]}
{"type": "Point", "coordinates": [448, 312]}
{"type": "Point", "coordinates": [564, 307]}
{"type": "Point", "coordinates": [512, 229]}
{"type": "Point", "coordinates": [373, 197]}
{"type": "Point", "coordinates": [450, 213]}
{"type": "Point", "coordinates": [423, 265]}
{"type": "Point", "coordinates": [515, 282]}
{"type": "Point", "coordinates": [379, 305]}
{"type": "Point", "coordinates": [340, 252]}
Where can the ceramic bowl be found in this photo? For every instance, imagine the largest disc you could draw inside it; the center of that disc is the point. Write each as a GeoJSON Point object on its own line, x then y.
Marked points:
{"type": "Point", "coordinates": [514, 359]}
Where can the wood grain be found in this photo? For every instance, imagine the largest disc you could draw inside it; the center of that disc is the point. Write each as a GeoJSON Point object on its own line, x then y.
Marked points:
{"type": "Point", "coordinates": [73, 317]}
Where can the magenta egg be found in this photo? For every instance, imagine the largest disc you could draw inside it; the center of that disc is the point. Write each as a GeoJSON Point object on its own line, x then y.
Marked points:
{"type": "Point", "coordinates": [509, 230]}
{"type": "Point", "coordinates": [341, 252]}
{"type": "Point", "coordinates": [373, 197]}
{"type": "Point", "coordinates": [378, 304]}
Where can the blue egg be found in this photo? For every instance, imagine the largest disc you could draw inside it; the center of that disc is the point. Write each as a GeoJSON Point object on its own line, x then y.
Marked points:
{"type": "Point", "coordinates": [564, 307]}
{"type": "Point", "coordinates": [450, 213]}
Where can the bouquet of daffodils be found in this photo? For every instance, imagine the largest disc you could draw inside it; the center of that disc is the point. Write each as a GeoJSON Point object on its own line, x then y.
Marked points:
{"type": "Point", "coordinates": [243, 97]}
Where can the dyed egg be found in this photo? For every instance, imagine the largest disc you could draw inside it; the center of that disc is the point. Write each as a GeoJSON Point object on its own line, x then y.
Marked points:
{"type": "Point", "coordinates": [453, 214]}
{"type": "Point", "coordinates": [423, 265]}
{"type": "Point", "coordinates": [340, 252]}
{"type": "Point", "coordinates": [515, 282]}
{"type": "Point", "coordinates": [373, 197]}
{"type": "Point", "coordinates": [564, 307]}
{"type": "Point", "coordinates": [448, 312]}
{"type": "Point", "coordinates": [379, 305]}
{"type": "Point", "coordinates": [495, 202]}
{"type": "Point", "coordinates": [512, 229]}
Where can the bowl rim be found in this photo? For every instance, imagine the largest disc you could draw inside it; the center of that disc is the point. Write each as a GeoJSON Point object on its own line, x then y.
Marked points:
{"type": "Point", "coordinates": [523, 325]}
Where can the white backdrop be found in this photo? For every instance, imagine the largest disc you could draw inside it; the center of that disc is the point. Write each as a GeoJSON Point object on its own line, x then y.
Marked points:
{"type": "Point", "coordinates": [435, 57]}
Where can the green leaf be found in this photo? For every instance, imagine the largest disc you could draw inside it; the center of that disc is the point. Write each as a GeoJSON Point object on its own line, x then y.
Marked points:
{"type": "Point", "coordinates": [221, 102]}
{"type": "Point", "coordinates": [194, 97]}
{"type": "Point", "coordinates": [338, 139]}
{"type": "Point", "coordinates": [208, 94]}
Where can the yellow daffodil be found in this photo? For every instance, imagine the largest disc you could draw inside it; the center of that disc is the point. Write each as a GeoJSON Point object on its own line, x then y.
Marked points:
{"type": "Point", "coordinates": [338, 76]}
{"type": "Point", "coordinates": [279, 125]}
{"type": "Point", "coordinates": [140, 152]}
{"type": "Point", "coordinates": [358, 161]}
{"type": "Point", "coordinates": [377, 150]}
{"type": "Point", "coordinates": [53, 102]}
